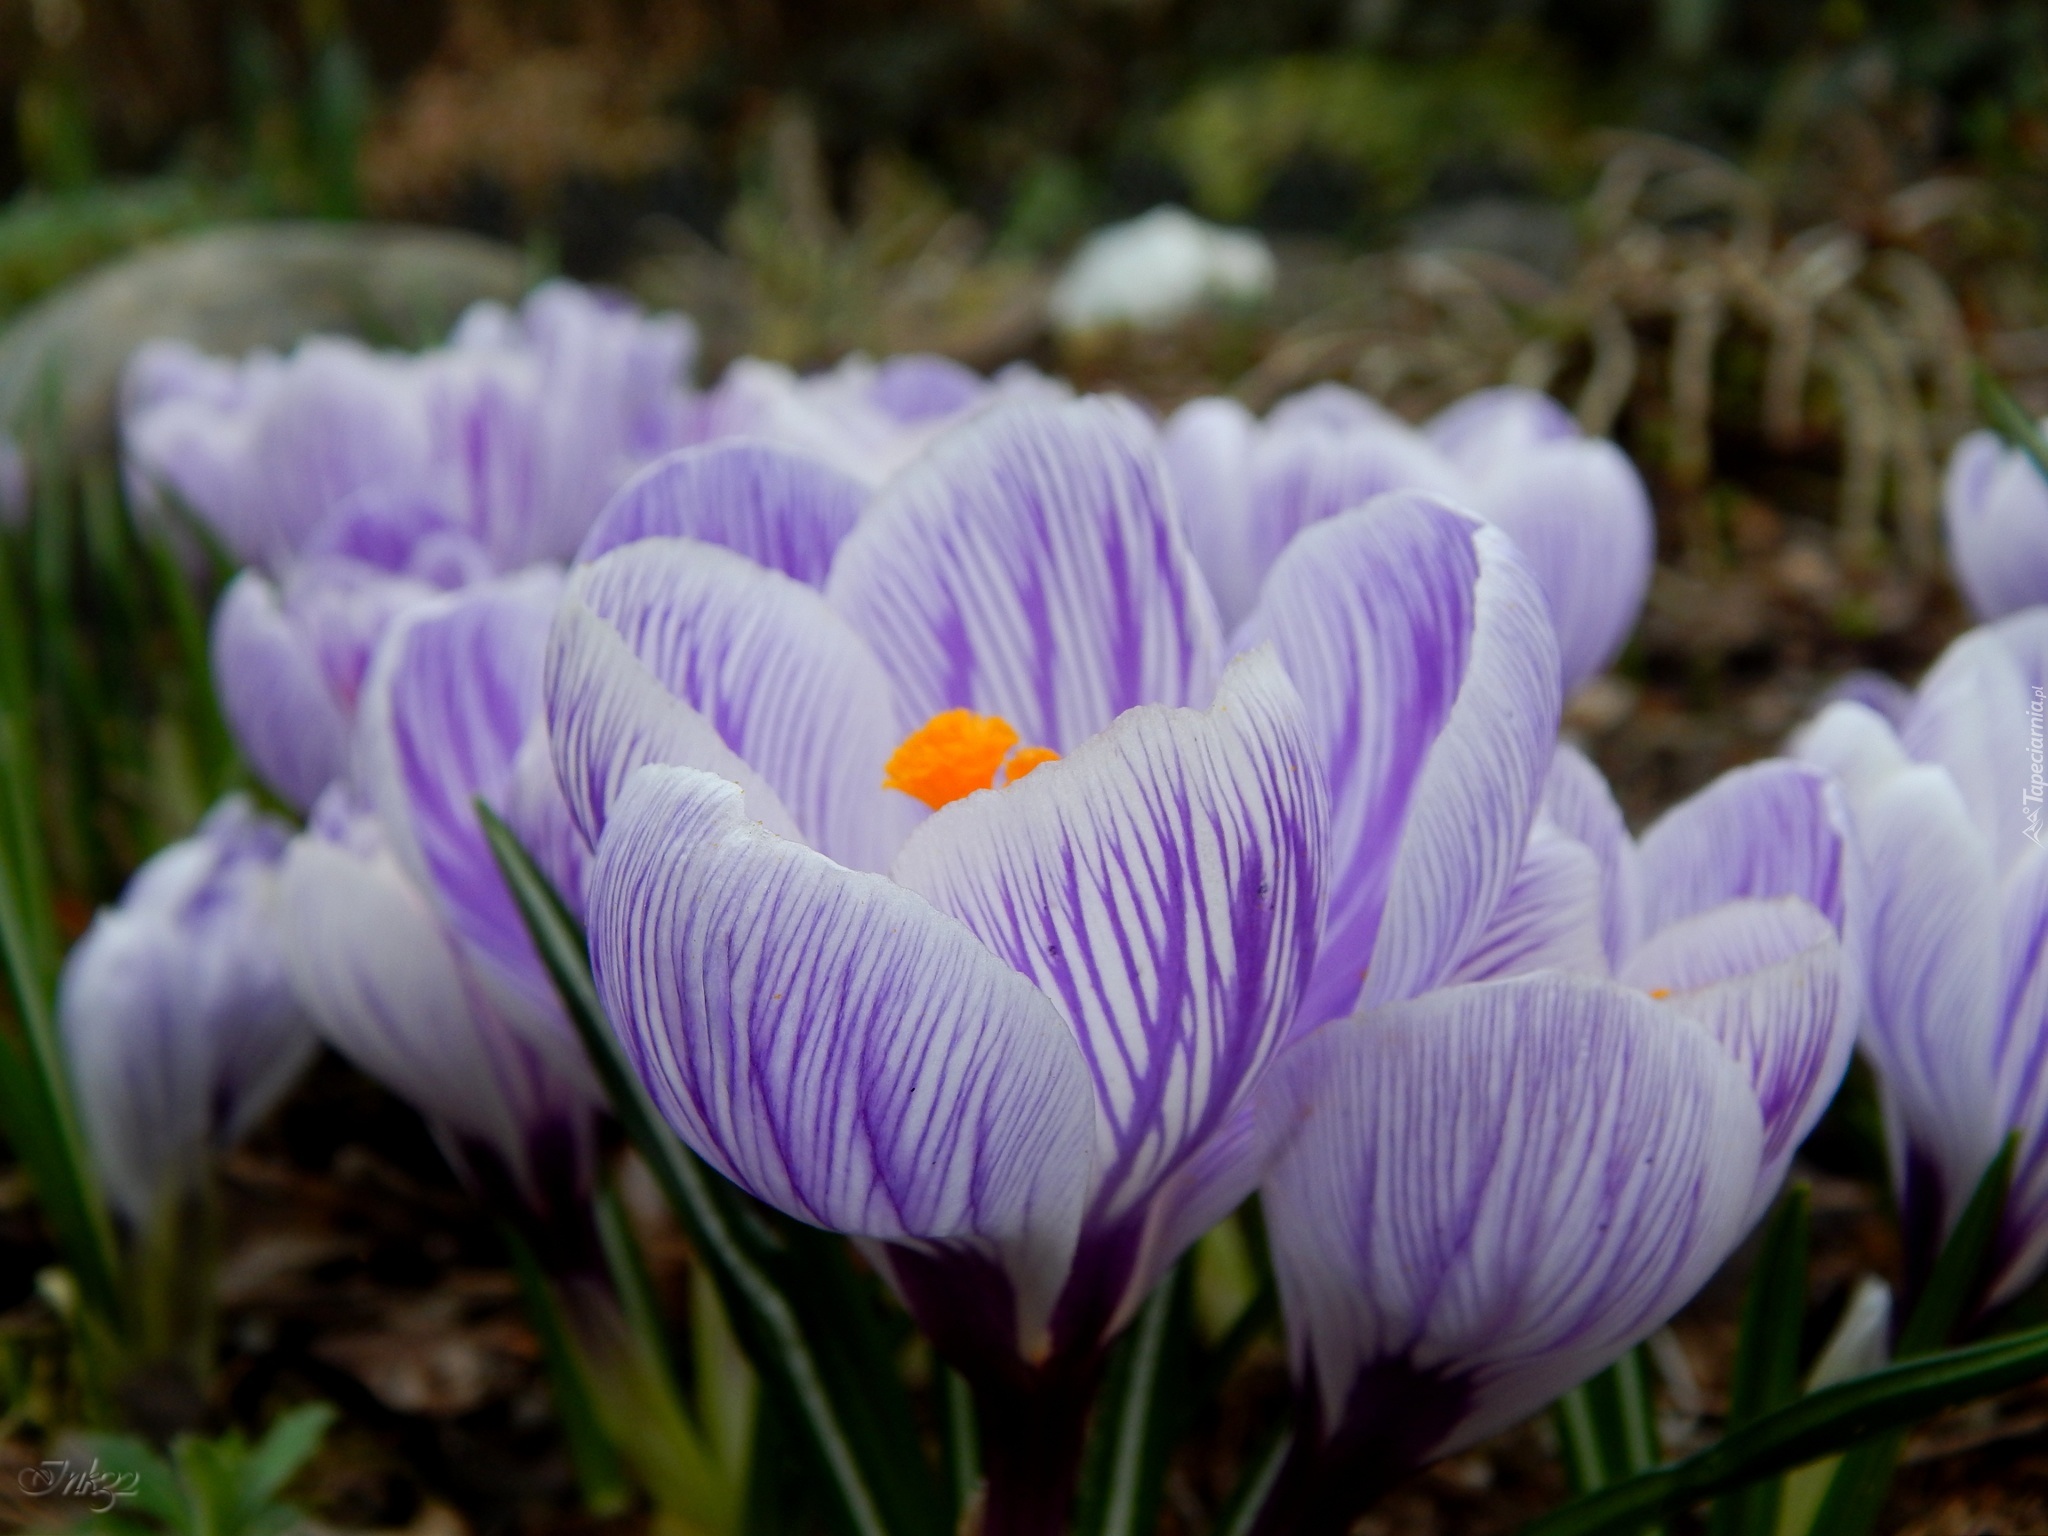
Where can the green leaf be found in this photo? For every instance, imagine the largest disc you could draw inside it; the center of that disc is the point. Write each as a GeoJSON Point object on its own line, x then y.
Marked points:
{"type": "Point", "coordinates": [1609, 1425]}
{"type": "Point", "coordinates": [789, 1293]}
{"type": "Point", "coordinates": [1139, 1414]}
{"type": "Point", "coordinates": [155, 1487]}
{"type": "Point", "coordinates": [1954, 1291]}
{"type": "Point", "coordinates": [1240, 1515]}
{"type": "Point", "coordinates": [1820, 1424]}
{"type": "Point", "coordinates": [963, 1442]}
{"type": "Point", "coordinates": [2010, 420]}
{"type": "Point", "coordinates": [1767, 1354]}
{"type": "Point", "coordinates": [286, 1446]}
{"type": "Point", "coordinates": [599, 1472]}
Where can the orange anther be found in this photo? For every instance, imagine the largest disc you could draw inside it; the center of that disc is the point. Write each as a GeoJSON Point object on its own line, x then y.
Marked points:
{"type": "Point", "coordinates": [1025, 759]}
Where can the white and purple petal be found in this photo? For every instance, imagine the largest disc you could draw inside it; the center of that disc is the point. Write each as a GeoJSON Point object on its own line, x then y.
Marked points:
{"type": "Point", "coordinates": [1423, 651]}
{"type": "Point", "coordinates": [1032, 565]}
{"type": "Point", "coordinates": [781, 508]}
{"type": "Point", "coordinates": [784, 682]}
{"type": "Point", "coordinates": [1163, 886]}
{"type": "Point", "coordinates": [1578, 802]}
{"type": "Point", "coordinates": [1486, 1195]}
{"type": "Point", "coordinates": [835, 1045]}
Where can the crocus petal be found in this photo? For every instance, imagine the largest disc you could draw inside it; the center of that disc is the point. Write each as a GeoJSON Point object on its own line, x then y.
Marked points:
{"type": "Point", "coordinates": [285, 719]}
{"type": "Point", "coordinates": [836, 1046]}
{"type": "Point", "coordinates": [1032, 565]}
{"type": "Point", "coordinates": [1163, 886]}
{"type": "Point", "coordinates": [787, 685]}
{"type": "Point", "coordinates": [780, 508]}
{"type": "Point", "coordinates": [1208, 446]}
{"type": "Point", "coordinates": [1493, 1191]}
{"type": "Point", "coordinates": [1421, 647]}
{"type": "Point", "coordinates": [452, 698]}
{"type": "Point", "coordinates": [389, 988]}
{"type": "Point", "coordinates": [1309, 465]}
{"type": "Point", "coordinates": [1934, 974]}
{"type": "Point", "coordinates": [1490, 429]}
{"type": "Point", "coordinates": [1857, 745]}
{"type": "Point", "coordinates": [1772, 829]}
{"type": "Point", "coordinates": [1550, 917]}
{"type": "Point", "coordinates": [1579, 803]}
{"type": "Point", "coordinates": [1995, 505]}
{"type": "Point", "coordinates": [2022, 1068]}
{"type": "Point", "coordinates": [608, 717]}
{"type": "Point", "coordinates": [1581, 518]}
{"type": "Point", "coordinates": [1971, 716]}
{"type": "Point", "coordinates": [1769, 980]}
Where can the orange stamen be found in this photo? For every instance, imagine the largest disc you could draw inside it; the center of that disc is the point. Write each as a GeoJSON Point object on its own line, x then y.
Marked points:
{"type": "Point", "coordinates": [957, 752]}
{"type": "Point", "coordinates": [1660, 993]}
{"type": "Point", "coordinates": [1026, 759]}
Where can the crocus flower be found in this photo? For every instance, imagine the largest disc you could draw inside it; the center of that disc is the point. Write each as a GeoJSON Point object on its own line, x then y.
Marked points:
{"type": "Point", "coordinates": [515, 432]}
{"type": "Point", "coordinates": [1995, 503]}
{"type": "Point", "coordinates": [1020, 1064]}
{"type": "Point", "coordinates": [181, 1028]}
{"type": "Point", "coordinates": [1487, 1191]}
{"type": "Point", "coordinates": [1574, 505]}
{"type": "Point", "coordinates": [1947, 804]}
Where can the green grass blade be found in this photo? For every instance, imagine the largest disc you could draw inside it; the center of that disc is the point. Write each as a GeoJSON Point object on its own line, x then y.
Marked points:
{"type": "Point", "coordinates": [1857, 1492]}
{"type": "Point", "coordinates": [1139, 1415]}
{"type": "Point", "coordinates": [1820, 1424]}
{"type": "Point", "coordinates": [963, 1443]}
{"type": "Point", "coordinates": [1240, 1516]}
{"type": "Point", "coordinates": [1609, 1426]}
{"type": "Point", "coordinates": [1767, 1354]}
{"type": "Point", "coordinates": [599, 1471]}
{"type": "Point", "coordinates": [2009, 420]}
{"type": "Point", "coordinates": [286, 1446]}
{"type": "Point", "coordinates": [875, 1490]}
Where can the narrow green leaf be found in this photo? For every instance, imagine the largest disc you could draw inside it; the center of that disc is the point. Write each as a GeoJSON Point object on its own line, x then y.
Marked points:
{"type": "Point", "coordinates": [599, 1472]}
{"type": "Point", "coordinates": [286, 1446]}
{"type": "Point", "coordinates": [1857, 1492]}
{"type": "Point", "coordinates": [876, 1489]}
{"type": "Point", "coordinates": [2009, 420]}
{"type": "Point", "coordinates": [145, 1478]}
{"type": "Point", "coordinates": [1820, 1424]}
{"type": "Point", "coordinates": [213, 746]}
{"type": "Point", "coordinates": [1240, 1515]}
{"type": "Point", "coordinates": [1609, 1426]}
{"type": "Point", "coordinates": [963, 1443]}
{"type": "Point", "coordinates": [1767, 1354]}
{"type": "Point", "coordinates": [1139, 1415]}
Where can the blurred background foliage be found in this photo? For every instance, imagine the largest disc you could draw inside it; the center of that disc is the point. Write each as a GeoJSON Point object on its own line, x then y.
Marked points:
{"type": "Point", "coordinates": [576, 126]}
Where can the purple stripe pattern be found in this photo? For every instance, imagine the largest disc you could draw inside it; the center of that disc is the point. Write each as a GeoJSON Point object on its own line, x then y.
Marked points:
{"type": "Point", "coordinates": [782, 509]}
{"type": "Point", "coordinates": [1032, 565]}
{"type": "Point", "coordinates": [1499, 1188]}
{"type": "Point", "coordinates": [1421, 647]}
{"type": "Point", "coordinates": [1029, 1052]}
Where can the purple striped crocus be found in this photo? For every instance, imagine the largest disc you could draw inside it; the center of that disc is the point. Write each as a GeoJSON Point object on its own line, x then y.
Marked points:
{"type": "Point", "coordinates": [1994, 502]}
{"type": "Point", "coordinates": [980, 891]}
{"type": "Point", "coordinates": [1947, 802]}
{"type": "Point", "coordinates": [1487, 1189]}
{"type": "Point", "coordinates": [179, 1023]}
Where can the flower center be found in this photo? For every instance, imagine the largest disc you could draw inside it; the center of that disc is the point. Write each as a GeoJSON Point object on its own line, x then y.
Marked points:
{"type": "Point", "coordinates": [957, 752]}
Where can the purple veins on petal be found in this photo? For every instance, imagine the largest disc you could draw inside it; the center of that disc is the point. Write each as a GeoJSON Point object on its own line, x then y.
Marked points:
{"type": "Point", "coordinates": [1504, 1185]}
{"type": "Point", "coordinates": [781, 508]}
{"type": "Point", "coordinates": [1031, 564]}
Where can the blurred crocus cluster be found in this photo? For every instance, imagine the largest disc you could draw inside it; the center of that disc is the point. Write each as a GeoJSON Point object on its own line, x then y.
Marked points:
{"type": "Point", "coordinates": [1012, 829]}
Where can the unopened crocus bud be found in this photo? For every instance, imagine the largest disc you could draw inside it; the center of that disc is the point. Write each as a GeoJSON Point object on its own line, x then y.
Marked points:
{"type": "Point", "coordinates": [181, 1028]}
